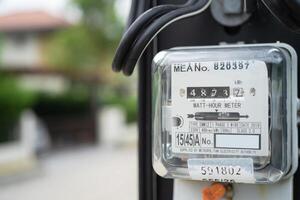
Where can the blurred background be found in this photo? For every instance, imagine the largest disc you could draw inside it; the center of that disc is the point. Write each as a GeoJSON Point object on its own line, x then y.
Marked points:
{"type": "Point", "coordinates": [67, 123]}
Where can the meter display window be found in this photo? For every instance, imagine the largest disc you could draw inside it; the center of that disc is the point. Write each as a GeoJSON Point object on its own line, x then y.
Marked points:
{"type": "Point", "coordinates": [225, 114]}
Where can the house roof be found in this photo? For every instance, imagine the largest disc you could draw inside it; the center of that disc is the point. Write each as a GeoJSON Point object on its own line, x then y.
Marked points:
{"type": "Point", "coordinates": [31, 21]}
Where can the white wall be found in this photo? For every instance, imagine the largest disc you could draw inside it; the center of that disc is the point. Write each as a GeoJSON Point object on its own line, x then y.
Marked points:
{"type": "Point", "coordinates": [44, 83]}
{"type": "Point", "coordinates": [20, 50]}
{"type": "Point", "coordinates": [112, 127]}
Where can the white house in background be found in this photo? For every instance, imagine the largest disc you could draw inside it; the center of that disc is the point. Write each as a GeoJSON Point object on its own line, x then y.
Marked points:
{"type": "Point", "coordinates": [23, 37]}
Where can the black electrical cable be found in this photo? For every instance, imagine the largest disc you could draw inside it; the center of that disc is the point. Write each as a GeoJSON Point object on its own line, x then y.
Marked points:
{"type": "Point", "coordinates": [133, 12]}
{"type": "Point", "coordinates": [286, 12]}
{"type": "Point", "coordinates": [149, 34]}
{"type": "Point", "coordinates": [137, 27]}
{"type": "Point", "coordinates": [134, 30]}
{"type": "Point", "coordinates": [146, 27]}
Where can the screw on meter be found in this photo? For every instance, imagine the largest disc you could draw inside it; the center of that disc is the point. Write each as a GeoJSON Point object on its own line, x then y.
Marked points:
{"type": "Point", "coordinates": [222, 114]}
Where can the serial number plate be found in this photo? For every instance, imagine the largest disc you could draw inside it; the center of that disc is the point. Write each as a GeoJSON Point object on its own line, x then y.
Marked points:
{"type": "Point", "coordinates": [222, 170]}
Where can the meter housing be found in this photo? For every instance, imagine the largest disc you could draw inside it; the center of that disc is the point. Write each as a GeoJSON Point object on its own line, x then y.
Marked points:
{"type": "Point", "coordinates": [225, 113]}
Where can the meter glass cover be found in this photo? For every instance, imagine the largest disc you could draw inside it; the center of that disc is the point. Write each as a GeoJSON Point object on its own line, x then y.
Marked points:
{"type": "Point", "coordinates": [224, 113]}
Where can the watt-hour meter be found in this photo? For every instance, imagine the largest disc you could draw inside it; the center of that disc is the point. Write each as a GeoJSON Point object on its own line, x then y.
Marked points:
{"type": "Point", "coordinates": [226, 113]}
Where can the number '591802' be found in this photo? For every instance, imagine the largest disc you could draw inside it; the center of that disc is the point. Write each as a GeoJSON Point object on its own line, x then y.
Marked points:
{"type": "Point", "coordinates": [220, 170]}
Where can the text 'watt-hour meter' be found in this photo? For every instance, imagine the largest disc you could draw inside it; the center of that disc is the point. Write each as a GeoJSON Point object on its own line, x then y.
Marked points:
{"type": "Point", "coordinates": [225, 113]}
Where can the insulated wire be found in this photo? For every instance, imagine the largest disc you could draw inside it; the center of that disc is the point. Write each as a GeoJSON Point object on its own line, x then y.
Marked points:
{"type": "Point", "coordinates": [154, 29]}
{"type": "Point", "coordinates": [133, 13]}
{"type": "Point", "coordinates": [138, 26]}
{"type": "Point", "coordinates": [155, 20]}
{"type": "Point", "coordinates": [134, 30]}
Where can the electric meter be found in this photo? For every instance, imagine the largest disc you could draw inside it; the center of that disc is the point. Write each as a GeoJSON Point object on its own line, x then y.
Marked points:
{"type": "Point", "coordinates": [225, 113]}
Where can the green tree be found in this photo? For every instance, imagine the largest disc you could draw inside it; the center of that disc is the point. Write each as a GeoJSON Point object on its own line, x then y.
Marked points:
{"type": "Point", "coordinates": [13, 100]}
{"type": "Point", "coordinates": [101, 21]}
{"type": "Point", "coordinates": [88, 48]}
{"type": "Point", "coordinates": [90, 44]}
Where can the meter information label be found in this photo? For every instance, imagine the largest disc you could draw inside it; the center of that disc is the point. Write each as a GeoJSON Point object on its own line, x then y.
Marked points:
{"type": "Point", "coordinates": [220, 108]}
{"type": "Point", "coordinates": [222, 170]}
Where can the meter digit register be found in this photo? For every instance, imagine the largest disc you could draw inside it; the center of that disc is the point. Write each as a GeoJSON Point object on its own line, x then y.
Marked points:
{"type": "Point", "coordinates": [225, 113]}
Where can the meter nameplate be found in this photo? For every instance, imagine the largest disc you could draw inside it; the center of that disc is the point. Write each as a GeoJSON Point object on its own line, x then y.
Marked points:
{"type": "Point", "coordinates": [220, 108]}
{"type": "Point", "coordinates": [222, 169]}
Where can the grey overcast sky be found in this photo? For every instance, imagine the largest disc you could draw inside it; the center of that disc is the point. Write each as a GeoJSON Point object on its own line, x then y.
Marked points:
{"type": "Point", "coordinates": [57, 7]}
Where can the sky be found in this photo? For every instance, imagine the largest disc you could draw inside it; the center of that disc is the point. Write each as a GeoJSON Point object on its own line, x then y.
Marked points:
{"type": "Point", "coordinates": [57, 7]}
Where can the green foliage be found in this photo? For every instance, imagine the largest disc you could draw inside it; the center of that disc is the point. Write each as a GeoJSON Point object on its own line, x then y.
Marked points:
{"type": "Point", "coordinates": [130, 106]}
{"type": "Point", "coordinates": [100, 18]}
{"type": "Point", "coordinates": [89, 44]}
{"type": "Point", "coordinates": [13, 100]}
{"type": "Point", "coordinates": [73, 49]}
{"type": "Point", "coordinates": [74, 101]}
{"type": "Point", "coordinates": [87, 47]}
